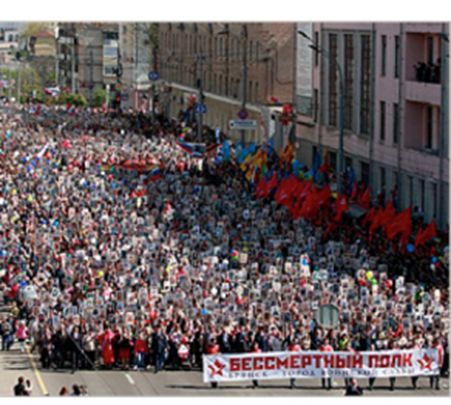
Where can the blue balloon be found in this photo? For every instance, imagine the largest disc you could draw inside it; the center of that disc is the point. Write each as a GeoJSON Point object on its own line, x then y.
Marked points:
{"type": "Point", "coordinates": [434, 259]}
{"type": "Point", "coordinates": [29, 169]}
{"type": "Point", "coordinates": [410, 248]}
{"type": "Point", "coordinates": [23, 283]}
{"type": "Point", "coordinates": [204, 311]}
{"type": "Point", "coordinates": [56, 222]}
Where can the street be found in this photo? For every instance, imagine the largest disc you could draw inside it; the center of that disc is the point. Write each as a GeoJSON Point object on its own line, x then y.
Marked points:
{"type": "Point", "coordinates": [177, 383]}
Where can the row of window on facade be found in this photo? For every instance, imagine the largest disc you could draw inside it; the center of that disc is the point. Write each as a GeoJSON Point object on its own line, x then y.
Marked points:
{"type": "Point", "coordinates": [212, 82]}
{"type": "Point", "coordinates": [5, 37]}
{"type": "Point", "coordinates": [222, 46]}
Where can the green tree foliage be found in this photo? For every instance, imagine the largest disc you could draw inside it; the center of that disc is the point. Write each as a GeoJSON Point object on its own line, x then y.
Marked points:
{"type": "Point", "coordinates": [98, 96]}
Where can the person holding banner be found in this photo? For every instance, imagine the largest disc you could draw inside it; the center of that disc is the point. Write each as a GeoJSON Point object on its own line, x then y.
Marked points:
{"type": "Point", "coordinates": [327, 348]}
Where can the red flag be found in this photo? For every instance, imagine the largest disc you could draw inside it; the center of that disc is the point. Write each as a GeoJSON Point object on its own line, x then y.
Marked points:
{"type": "Point", "coordinates": [264, 188]}
{"type": "Point", "coordinates": [400, 224]}
{"type": "Point", "coordinates": [286, 190]}
{"type": "Point", "coordinates": [365, 198]}
{"type": "Point", "coordinates": [314, 201]}
{"type": "Point", "coordinates": [341, 206]}
{"type": "Point", "coordinates": [389, 215]}
{"type": "Point", "coordinates": [260, 188]}
{"type": "Point", "coordinates": [354, 192]}
{"type": "Point", "coordinates": [369, 216]}
{"type": "Point", "coordinates": [376, 221]}
{"type": "Point", "coordinates": [424, 235]}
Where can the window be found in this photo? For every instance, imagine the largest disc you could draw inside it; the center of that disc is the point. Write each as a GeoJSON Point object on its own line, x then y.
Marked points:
{"type": "Point", "coordinates": [317, 43]}
{"type": "Point", "coordinates": [397, 55]}
{"type": "Point", "coordinates": [365, 172]}
{"type": "Point", "coordinates": [422, 196]}
{"type": "Point", "coordinates": [410, 185]}
{"type": "Point", "coordinates": [382, 120]}
{"type": "Point", "coordinates": [220, 84]}
{"type": "Point", "coordinates": [256, 98]}
{"type": "Point", "coordinates": [251, 50]}
{"type": "Point", "coordinates": [383, 55]}
{"type": "Point", "coordinates": [429, 127]}
{"type": "Point", "coordinates": [395, 123]}
{"type": "Point", "coordinates": [382, 182]}
{"type": "Point", "coordinates": [333, 160]}
{"type": "Point", "coordinates": [349, 83]}
{"type": "Point", "coordinates": [250, 94]}
{"type": "Point", "coordinates": [348, 163]}
{"type": "Point", "coordinates": [365, 83]}
{"type": "Point", "coordinates": [332, 80]}
{"type": "Point", "coordinates": [314, 152]}
{"type": "Point", "coordinates": [434, 200]}
{"type": "Point", "coordinates": [430, 47]}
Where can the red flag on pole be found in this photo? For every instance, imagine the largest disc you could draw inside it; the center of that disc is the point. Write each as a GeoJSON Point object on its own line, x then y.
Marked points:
{"type": "Point", "coordinates": [341, 206]}
{"type": "Point", "coordinates": [424, 235]}
{"type": "Point", "coordinates": [402, 223]}
{"type": "Point", "coordinates": [365, 198]}
{"type": "Point", "coordinates": [354, 192]}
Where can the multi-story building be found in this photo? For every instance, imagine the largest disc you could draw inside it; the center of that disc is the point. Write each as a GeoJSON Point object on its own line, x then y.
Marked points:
{"type": "Point", "coordinates": [9, 41]}
{"type": "Point", "coordinates": [395, 106]}
{"type": "Point", "coordinates": [88, 57]}
{"type": "Point", "coordinates": [214, 56]}
{"type": "Point", "coordinates": [137, 59]}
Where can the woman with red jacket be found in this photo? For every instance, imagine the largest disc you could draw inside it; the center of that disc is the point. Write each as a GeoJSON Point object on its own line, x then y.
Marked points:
{"type": "Point", "coordinates": [140, 351]}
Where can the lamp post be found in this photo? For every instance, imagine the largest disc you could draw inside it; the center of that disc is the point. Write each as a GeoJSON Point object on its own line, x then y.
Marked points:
{"type": "Point", "coordinates": [341, 104]}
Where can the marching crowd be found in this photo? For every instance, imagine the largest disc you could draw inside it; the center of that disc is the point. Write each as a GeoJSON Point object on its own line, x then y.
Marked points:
{"type": "Point", "coordinates": [118, 249]}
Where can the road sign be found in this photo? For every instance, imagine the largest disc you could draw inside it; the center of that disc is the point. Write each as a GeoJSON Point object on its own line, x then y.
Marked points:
{"type": "Point", "coordinates": [242, 114]}
{"type": "Point", "coordinates": [201, 108]}
{"type": "Point", "coordinates": [153, 76]}
{"type": "Point", "coordinates": [327, 316]}
{"type": "Point", "coordinates": [243, 124]}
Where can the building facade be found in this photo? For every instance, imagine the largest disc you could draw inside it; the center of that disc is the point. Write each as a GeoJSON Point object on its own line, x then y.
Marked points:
{"type": "Point", "coordinates": [395, 106]}
{"type": "Point", "coordinates": [137, 61]}
{"type": "Point", "coordinates": [214, 56]}
{"type": "Point", "coordinates": [9, 41]}
{"type": "Point", "coordinates": [88, 57]}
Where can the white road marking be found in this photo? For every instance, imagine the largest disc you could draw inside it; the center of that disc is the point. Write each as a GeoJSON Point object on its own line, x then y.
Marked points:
{"type": "Point", "coordinates": [130, 379]}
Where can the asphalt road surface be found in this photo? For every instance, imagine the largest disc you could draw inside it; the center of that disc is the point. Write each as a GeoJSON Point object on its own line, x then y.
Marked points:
{"type": "Point", "coordinates": [177, 383]}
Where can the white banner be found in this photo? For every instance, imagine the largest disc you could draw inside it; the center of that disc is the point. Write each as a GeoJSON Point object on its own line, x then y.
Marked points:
{"type": "Point", "coordinates": [315, 364]}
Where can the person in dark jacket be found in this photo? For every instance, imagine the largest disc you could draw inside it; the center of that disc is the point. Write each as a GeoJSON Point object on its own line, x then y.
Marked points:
{"type": "Point", "coordinates": [353, 389]}
{"type": "Point", "coordinates": [159, 348]}
{"type": "Point", "coordinates": [19, 388]}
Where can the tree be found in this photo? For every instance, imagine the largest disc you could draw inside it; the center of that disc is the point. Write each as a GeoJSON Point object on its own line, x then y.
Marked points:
{"type": "Point", "coordinates": [98, 96]}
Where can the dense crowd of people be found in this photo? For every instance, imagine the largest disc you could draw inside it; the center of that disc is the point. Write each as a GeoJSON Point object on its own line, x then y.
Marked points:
{"type": "Point", "coordinates": [118, 249]}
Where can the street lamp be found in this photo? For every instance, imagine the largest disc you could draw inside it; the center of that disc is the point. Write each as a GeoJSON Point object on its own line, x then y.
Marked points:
{"type": "Point", "coordinates": [324, 53]}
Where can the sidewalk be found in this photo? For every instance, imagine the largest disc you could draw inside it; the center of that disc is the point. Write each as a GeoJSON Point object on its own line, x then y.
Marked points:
{"type": "Point", "coordinates": [14, 364]}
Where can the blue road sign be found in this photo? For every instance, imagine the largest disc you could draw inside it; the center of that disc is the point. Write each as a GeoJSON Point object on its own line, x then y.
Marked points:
{"type": "Point", "coordinates": [242, 114]}
{"type": "Point", "coordinates": [201, 109]}
{"type": "Point", "coordinates": [153, 76]}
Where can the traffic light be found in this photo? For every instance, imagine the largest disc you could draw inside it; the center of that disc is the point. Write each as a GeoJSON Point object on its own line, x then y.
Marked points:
{"type": "Point", "coordinates": [117, 101]}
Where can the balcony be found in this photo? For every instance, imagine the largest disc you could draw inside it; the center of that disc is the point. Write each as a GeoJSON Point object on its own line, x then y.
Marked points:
{"type": "Point", "coordinates": [423, 28]}
{"type": "Point", "coordinates": [422, 92]}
